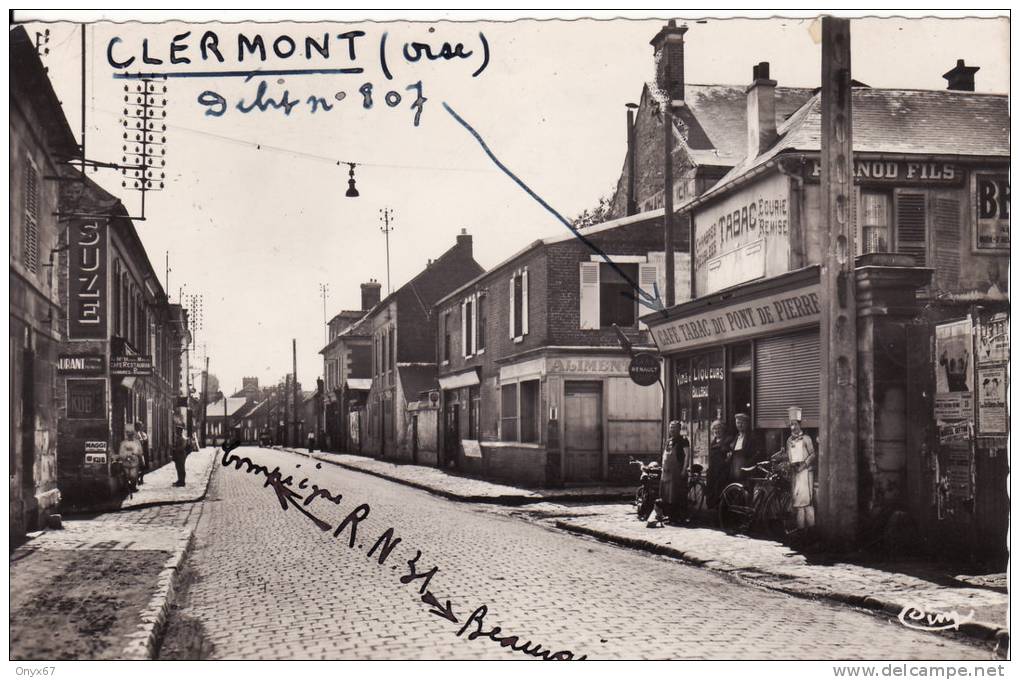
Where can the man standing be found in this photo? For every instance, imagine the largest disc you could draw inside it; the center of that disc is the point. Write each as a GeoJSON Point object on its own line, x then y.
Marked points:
{"type": "Point", "coordinates": [744, 450]}
{"type": "Point", "coordinates": [182, 448]}
{"type": "Point", "coordinates": [143, 439]}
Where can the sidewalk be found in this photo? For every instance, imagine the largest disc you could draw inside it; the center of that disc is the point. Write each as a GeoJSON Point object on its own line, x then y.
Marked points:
{"type": "Point", "coordinates": [100, 587]}
{"type": "Point", "coordinates": [915, 590]}
{"type": "Point", "coordinates": [468, 489]}
{"type": "Point", "coordinates": [896, 588]}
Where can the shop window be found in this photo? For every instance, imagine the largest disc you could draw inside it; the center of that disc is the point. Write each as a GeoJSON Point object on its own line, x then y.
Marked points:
{"type": "Point", "coordinates": [607, 293]}
{"type": "Point", "coordinates": [508, 422]}
{"type": "Point", "coordinates": [529, 410]}
{"type": "Point", "coordinates": [740, 379]}
{"type": "Point", "coordinates": [474, 413]}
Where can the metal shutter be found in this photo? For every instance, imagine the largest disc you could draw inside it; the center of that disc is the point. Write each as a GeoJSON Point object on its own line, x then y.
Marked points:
{"type": "Point", "coordinates": [31, 243]}
{"type": "Point", "coordinates": [787, 373]}
{"type": "Point", "coordinates": [911, 234]}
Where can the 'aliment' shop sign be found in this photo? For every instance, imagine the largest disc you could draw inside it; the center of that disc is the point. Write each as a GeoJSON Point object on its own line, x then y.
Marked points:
{"type": "Point", "coordinates": [762, 316]}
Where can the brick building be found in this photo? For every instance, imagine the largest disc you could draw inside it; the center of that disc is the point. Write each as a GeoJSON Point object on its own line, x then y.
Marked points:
{"type": "Point", "coordinates": [534, 382]}
{"type": "Point", "coordinates": [40, 139]}
{"type": "Point", "coordinates": [931, 214]}
{"type": "Point", "coordinates": [347, 371]}
{"type": "Point", "coordinates": [402, 329]}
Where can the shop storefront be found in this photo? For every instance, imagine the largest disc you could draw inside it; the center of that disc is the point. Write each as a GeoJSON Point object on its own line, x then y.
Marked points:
{"type": "Point", "coordinates": [754, 350]}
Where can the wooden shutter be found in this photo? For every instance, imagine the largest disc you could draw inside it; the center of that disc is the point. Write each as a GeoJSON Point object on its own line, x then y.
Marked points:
{"type": "Point", "coordinates": [647, 275]}
{"type": "Point", "coordinates": [474, 324]}
{"type": "Point", "coordinates": [463, 328]}
{"type": "Point", "coordinates": [513, 303]}
{"type": "Point", "coordinates": [911, 231]}
{"type": "Point", "coordinates": [946, 222]}
{"type": "Point", "coordinates": [31, 244]}
{"type": "Point", "coordinates": [786, 373]}
{"type": "Point", "coordinates": [524, 302]}
{"type": "Point", "coordinates": [589, 296]}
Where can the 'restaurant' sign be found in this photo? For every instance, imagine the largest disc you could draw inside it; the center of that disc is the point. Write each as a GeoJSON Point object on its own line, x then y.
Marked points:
{"type": "Point", "coordinates": [88, 363]}
{"type": "Point", "coordinates": [86, 280]}
{"type": "Point", "coordinates": [765, 315]}
{"type": "Point", "coordinates": [131, 365]}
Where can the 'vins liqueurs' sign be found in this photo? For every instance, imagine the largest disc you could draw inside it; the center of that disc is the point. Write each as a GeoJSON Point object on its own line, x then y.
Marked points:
{"type": "Point", "coordinates": [86, 280]}
{"type": "Point", "coordinates": [762, 316]}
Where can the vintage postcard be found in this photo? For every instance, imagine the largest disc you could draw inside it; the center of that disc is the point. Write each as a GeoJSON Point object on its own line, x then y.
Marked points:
{"type": "Point", "coordinates": [550, 336]}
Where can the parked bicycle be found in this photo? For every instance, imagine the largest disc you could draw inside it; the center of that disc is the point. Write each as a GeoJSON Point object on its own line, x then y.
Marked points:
{"type": "Point", "coordinates": [648, 492]}
{"type": "Point", "coordinates": [696, 488]}
{"type": "Point", "coordinates": [766, 510]}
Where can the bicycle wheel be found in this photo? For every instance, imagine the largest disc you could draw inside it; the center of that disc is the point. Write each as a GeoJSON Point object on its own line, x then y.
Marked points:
{"type": "Point", "coordinates": [734, 508]}
{"type": "Point", "coordinates": [643, 504]}
{"type": "Point", "coordinates": [777, 510]}
{"type": "Point", "coordinates": [696, 495]}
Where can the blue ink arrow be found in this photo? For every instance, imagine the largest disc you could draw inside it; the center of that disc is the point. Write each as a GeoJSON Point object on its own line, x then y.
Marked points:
{"type": "Point", "coordinates": [653, 302]}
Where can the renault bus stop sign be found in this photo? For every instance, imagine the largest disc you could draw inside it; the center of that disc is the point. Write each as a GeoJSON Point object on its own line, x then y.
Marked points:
{"type": "Point", "coordinates": [644, 369]}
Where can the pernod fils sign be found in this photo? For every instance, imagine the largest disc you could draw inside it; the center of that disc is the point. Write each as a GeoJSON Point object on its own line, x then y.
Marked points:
{"type": "Point", "coordinates": [762, 316]}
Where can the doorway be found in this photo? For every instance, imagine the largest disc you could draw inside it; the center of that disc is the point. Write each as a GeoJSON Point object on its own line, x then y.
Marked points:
{"type": "Point", "coordinates": [451, 434]}
{"type": "Point", "coordinates": [582, 436]}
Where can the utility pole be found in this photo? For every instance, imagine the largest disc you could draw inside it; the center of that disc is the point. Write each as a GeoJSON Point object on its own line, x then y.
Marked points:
{"type": "Point", "coordinates": [205, 398]}
{"type": "Point", "coordinates": [286, 410]}
{"type": "Point", "coordinates": [324, 290]}
{"type": "Point", "coordinates": [387, 215]}
{"type": "Point", "coordinates": [296, 402]}
{"type": "Point", "coordinates": [837, 463]}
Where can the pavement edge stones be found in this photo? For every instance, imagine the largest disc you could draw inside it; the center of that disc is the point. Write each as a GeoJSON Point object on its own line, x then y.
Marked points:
{"type": "Point", "coordinates": [985, 632]}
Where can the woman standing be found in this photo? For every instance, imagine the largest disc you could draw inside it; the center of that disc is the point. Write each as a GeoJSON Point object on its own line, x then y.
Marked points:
{"type": "Point", "coordinates": [673, 483]}
{"type": "Point", "coordinates": [800, 452]}
{"type": "Point", "coordinates": [718, 466]}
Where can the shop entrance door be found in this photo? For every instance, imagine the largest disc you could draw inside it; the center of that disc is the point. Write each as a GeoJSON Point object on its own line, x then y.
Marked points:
{"type": "Point", "coordinates": [452, 438]}
{"type": "Point", "coordinates": [582, 424]}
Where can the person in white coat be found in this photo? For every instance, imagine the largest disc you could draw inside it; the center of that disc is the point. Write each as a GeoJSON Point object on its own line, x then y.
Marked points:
{"type": "Point", "coordinates": [799, 452]}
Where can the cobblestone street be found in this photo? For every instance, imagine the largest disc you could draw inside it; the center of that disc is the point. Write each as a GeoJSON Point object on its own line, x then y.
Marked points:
{"type": "Point", "coordinates": [270, 584]}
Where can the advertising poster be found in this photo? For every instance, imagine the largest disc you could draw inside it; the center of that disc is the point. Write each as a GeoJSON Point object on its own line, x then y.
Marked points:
{"type": "Point", "coordinates": [952, 354]}
{"type": "Point", "coordinates": [991, 401]}
{"type": "Point", "coordinates": [992, 340]}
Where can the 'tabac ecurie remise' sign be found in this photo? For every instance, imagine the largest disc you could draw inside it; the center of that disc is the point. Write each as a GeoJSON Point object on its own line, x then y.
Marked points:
{"type": "Point", "coordinates": [89, 363]}
{"type": "Point", "coordinates": [133, 365]}
{"type": "Point", "coordinates": [765, 315]}
{"type": "Point", "coordinates": [86, 280]}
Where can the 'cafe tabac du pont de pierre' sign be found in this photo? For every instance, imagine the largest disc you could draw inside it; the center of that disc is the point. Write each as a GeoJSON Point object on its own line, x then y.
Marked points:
{"type": "Point", "coordinates": [761, 316]}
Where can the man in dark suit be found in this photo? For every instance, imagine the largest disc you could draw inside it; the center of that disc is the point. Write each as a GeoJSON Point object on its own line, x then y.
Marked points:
{"type": "Point", "coordinates": [744, 450]}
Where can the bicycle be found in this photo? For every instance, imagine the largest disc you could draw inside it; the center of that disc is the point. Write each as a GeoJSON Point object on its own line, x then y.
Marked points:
{"type": "Point", "coordinates": [696, 488]}
{"type": "Point", "coordinates": [767, 509]}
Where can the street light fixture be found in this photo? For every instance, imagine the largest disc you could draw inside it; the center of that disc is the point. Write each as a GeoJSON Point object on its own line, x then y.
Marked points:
{"type": "Point", "coordinates": [352, 190]}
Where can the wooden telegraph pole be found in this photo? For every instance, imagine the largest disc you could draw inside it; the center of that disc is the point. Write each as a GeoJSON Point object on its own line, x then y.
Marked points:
{"type": "Point", "coordinates": [297, 401]}
{"type": "Point", "coordinates": [837, 497]}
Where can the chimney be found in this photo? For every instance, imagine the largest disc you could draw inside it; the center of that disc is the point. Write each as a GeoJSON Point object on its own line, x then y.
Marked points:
{"type": "Point", "coordinates": [961, 77]}
{"type": "Point", "coordinates": [669, 59]}
{"type": "Point", "coordinates": [370, 294]}
{"type": "Point", "coordinates": [464, 241]}
{"type": "Point", "coordinates": [631, 151]}
{"type": "Point", "coordinates": [761, 111]}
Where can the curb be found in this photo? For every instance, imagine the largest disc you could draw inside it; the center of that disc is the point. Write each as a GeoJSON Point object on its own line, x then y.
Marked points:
{"type": "Point", "coordinates": [505, 499]}
{"type": "Point", "coordinates": [146, 640]}
{"type": "Point", "coordinates": [978, 630]}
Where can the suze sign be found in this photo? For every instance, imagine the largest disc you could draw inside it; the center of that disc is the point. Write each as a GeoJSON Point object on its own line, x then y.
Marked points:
{"type": "Point", "coordinates": [86, 280]}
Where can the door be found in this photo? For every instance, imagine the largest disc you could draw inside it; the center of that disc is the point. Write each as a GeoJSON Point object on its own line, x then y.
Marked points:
{"type": "Point", "coordinates": [582, 437]}
{"type": "Point", "coordinates": [414, 439]}
{"type": "Point", "coordinates": [452, 434]}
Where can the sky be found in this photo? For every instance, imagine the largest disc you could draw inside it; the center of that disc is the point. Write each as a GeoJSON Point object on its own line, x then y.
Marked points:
{"type": "Point", "coordinates": [254, 215]}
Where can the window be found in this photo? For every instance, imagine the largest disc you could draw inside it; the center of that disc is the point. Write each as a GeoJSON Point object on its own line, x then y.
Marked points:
{"type": "Point", "coordinates": [519, 305]}
{"type": "Point", "coordinates": [607, 292]}
{"type": "Point", "coordinates": [508, 423]}
{"type": "Point", "coordinates": [393, 350]}
{"type": "Point", "coordinates": [467, 329]}
{"type": "Point", "coordinates": [911, 226]}
{"type": "Point", "coordinates": [30, 251]}
{"type": "Point", "coordinates": [482, 318]}
{"type": "Point", "coordinates": [474, 412]}
{"type": "Point", "coordinates": [116, 298]}
{"type": "Point", "coordinates": [446, 336]}
{"type": "Point", "coordinates": [875, 209]}
{"type": "Point", "coordinates": [529, 410]}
